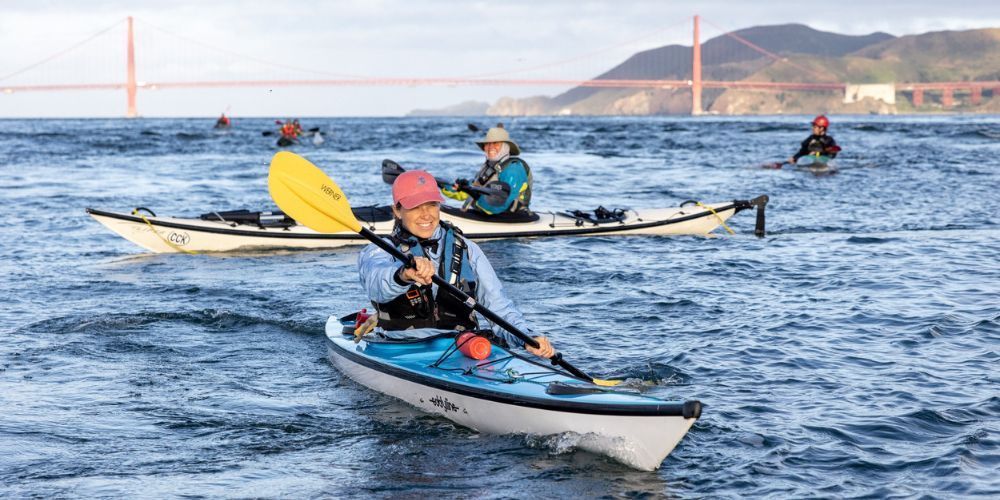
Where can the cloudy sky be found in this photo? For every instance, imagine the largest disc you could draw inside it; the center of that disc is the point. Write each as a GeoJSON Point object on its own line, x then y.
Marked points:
{"type": "Point", "coordinates": [66, 42]}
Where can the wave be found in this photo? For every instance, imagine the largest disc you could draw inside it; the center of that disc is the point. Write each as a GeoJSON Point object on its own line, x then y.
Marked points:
{"type": "Point", "coordinates": [869, 128]}
{"type": "Point", "coordinates": [772, 128]}
{"type": "Point", "coordinates": [869, 240]}
{"type": "Point", "coordinates": [991, 134]}
{"type": "Point", "coordinates": [188, 136]}
{"type": "Point", "coordinates": [213, 319]}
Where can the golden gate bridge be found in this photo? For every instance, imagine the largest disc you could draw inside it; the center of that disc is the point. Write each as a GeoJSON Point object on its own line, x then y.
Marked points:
{"type": "Point", "coordinates": [695, 84]}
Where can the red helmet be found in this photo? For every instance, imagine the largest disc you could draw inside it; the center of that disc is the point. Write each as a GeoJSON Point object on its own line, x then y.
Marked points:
{"type": "Point", "coordinates": [821, 121]}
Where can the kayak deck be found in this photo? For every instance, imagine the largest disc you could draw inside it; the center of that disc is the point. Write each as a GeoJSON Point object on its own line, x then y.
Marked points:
{"type": "Point", "coordinates": [502, 376]}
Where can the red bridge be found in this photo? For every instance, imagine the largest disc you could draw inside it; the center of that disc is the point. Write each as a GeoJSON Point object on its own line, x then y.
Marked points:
{"type": "Point", "coordinates": [696, 84]}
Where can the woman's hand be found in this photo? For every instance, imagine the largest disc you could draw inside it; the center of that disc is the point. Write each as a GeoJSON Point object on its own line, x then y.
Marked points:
{"type": "Point", "coordinates": [544, 350]}
{"type": "Point", "coordinates": [422, 272]}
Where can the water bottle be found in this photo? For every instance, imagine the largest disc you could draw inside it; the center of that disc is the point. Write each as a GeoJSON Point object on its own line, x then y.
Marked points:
{"type": "Point", "coordinates": [473, 346]}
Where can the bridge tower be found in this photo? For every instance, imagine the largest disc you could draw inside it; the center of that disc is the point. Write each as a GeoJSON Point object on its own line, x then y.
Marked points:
{"type": "Point", "coordinates": [947, 97]}
{"type": "Point", "coordinates": [130, 86]}
{"type": "Point", "coordinates": [977, 96]}
{"type": "Point", "coordinates": [696, 71]}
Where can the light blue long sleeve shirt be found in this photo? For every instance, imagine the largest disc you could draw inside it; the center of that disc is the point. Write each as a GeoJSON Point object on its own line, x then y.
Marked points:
{"type": "Point", "coordinates": [376, 269]}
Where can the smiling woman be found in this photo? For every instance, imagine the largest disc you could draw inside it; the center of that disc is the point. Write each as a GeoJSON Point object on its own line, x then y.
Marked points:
{"type": "Point", "coordinates": [397, 279]}
{"type": "Point", "coordinates": [420, 220]}
{"type": "Point", "coordinates": [417, 203]}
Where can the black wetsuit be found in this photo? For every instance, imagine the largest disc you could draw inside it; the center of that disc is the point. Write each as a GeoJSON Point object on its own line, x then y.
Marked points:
{"type": "Point", "coordinates": [821, 144]}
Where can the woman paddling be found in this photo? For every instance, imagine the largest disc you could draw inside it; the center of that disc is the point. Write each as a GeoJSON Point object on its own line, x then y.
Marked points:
{"type": "Point", "coordinates": [408, 305]}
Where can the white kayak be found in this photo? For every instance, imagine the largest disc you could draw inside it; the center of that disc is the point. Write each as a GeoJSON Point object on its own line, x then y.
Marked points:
{"type": "Point", "coordinates": [246, 230]}
{"type": "Point", "coordinates": [506, 393]}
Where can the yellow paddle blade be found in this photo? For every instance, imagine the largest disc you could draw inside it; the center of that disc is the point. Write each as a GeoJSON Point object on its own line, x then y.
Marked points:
{"type": "Point", "coordinates": [606, 383]}
{"type": "Point", "coordinates": [307, 195]}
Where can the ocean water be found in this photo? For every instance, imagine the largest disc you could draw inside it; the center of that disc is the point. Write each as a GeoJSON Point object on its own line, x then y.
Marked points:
{"type": "Point", "coordinates": [853, 352]}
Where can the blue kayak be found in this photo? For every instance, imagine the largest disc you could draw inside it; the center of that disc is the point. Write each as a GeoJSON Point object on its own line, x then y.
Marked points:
{"type": "Point", "coordinates": [512, 393]}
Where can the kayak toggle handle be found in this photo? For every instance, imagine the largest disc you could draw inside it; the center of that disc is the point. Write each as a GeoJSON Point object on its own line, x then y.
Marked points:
{"type": "Point", "coordinates": [691, 409]}
{"type": "Point", "coordinates": [136, 210]}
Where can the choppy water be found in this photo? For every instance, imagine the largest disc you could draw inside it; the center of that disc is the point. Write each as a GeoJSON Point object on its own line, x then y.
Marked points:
{"type": "Point", "coordinates": [853, 352]}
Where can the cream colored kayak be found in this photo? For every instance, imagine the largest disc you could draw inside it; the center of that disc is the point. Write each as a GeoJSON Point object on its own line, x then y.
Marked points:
{"type": "Point", "coordinates": [245, 230]}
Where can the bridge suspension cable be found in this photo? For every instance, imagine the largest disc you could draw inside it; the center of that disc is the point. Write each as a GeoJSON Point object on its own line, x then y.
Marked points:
{"type": "Point", "coordinates": [772, 55]}
{"type": "Point", "coordinates": [245, 56]}
{"type": "Point", "coordinates": [64, 51]}
{"type": "Point", "coordinates": [561, 62]}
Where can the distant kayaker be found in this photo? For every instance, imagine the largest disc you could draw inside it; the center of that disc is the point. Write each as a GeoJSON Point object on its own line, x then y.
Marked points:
{"type": "Point", "coordinates": [405, 298]}
{"type": "Point", "coordinates": [289, 129]}
{"type": "Point", "coordinates": [503, 172]}
{"type": "Point", "coordinates": [819, 143]}
{"type": "Point", "coordinates": [222, 122]}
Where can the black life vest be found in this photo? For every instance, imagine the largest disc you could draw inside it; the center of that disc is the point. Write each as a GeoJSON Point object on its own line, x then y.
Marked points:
{"type": "Point", "coordinates": [819, 145]}
{"type": "Point", "coordinates": [418, 307]}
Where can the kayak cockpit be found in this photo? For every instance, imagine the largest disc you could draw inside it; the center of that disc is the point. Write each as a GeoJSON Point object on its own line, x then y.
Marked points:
{"type": "Point", "coordinates": [506, 217]}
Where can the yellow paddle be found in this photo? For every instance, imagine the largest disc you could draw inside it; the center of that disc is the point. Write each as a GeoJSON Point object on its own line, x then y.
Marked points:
{"type": "Point", "coordinates": [307, 195]}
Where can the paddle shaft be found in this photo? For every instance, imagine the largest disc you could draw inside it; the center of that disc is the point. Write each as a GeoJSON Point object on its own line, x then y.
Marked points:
{"type": "Point", "coordinates": [476, 306]}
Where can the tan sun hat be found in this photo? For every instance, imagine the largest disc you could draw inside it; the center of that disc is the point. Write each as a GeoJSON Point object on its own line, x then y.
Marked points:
{"type": "Point", "coordinates": [496, 134]}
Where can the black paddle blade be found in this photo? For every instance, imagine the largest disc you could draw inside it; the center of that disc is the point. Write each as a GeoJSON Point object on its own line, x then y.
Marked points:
{"type": "Point", "coordinates": [390, 170]}
{"type": "Point", "coordinates": [577, 389]}
{"type": "Point", "coordinates": [314, 129]}
{"type": "Point", "coordinates": [267, 133]}
{"type": "Point", "coordinates": [473, 127]}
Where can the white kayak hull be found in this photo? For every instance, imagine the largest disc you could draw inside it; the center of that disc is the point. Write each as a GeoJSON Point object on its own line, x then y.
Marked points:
{"type": "Point", "coordinates": [175, 234]}
{"type": "Point", "coordinates": [639, 441]}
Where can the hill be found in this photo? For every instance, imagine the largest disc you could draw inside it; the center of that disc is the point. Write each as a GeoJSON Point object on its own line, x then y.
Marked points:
{"type": "Point", "coordinates": [972, 55]}
{"type": "Point", "coordinates": [726, 58]}
{"type": "Point", "coordinates": [806, 55]}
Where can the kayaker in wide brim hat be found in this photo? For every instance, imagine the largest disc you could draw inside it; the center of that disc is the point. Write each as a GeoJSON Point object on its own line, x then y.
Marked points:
{"type": "Point", "coordinates": [498, 134]}
{"type": "Point", "coordinates": [506, 177]}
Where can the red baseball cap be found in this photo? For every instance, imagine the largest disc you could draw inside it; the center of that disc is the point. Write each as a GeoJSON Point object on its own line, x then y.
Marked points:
{"type": "Point", "coordinates": [414, 188]}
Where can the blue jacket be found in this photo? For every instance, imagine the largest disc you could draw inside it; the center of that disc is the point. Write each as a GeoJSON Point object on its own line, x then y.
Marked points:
{"type": "Point", "coordinates": [517, 177]}
{"type": "Point", "coordinates": [376, 269]}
